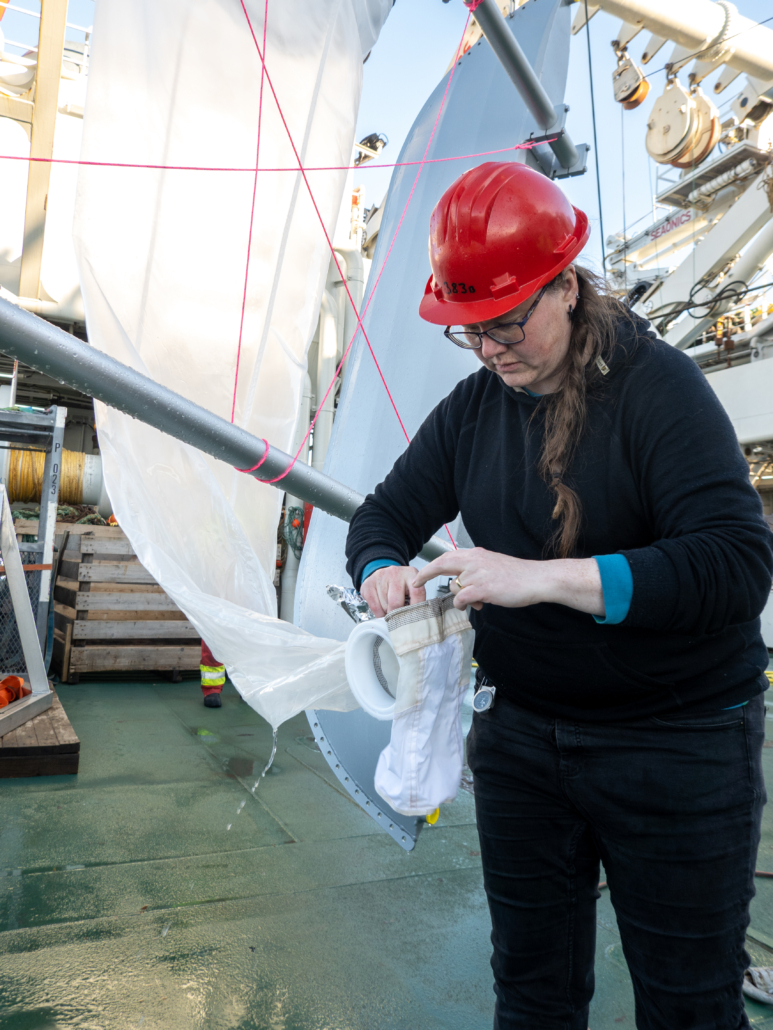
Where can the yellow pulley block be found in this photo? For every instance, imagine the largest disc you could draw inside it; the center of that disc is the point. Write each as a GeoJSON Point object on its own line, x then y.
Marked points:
{"type": "Point", "coordinates": [638, 96]}
{"type": "Point", "coordinates": [672, 124]}
{"type": "Point", "coordinates": [683, 128]}
{"type": "Point", "coordinates": [706, 133]}
{"type": "Point", "coordinates": [628, 83]}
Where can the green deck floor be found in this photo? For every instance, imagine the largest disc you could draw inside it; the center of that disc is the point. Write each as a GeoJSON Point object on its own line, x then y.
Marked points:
{"type": "Point", "coordinates": [126, 902]}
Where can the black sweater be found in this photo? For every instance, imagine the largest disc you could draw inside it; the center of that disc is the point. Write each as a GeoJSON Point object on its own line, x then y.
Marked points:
{"type": "Point", "coordinates": [661, 480]}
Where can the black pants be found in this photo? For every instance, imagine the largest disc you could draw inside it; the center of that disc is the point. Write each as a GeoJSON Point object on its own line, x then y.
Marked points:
{"type": "Point", "coordinates": [672, 807]}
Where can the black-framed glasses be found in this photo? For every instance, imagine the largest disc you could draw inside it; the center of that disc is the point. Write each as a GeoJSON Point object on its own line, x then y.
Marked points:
{"type": "Point", "coordinates": [507, 333]}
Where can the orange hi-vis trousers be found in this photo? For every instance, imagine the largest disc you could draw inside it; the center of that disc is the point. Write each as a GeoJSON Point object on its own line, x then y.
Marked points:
{"type": "Point", "coordinates": [212, 672]}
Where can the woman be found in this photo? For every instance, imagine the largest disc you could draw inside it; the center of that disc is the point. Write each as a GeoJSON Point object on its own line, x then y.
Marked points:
{"type": "Point", "coordinates": [620, 567]}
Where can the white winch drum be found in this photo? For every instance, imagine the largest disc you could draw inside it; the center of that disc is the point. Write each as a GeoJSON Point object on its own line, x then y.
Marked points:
{"type": "Point", "coordinates": [373, 668]}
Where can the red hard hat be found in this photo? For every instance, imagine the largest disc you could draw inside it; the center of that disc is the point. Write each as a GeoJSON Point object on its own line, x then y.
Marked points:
{"type": "Point", "coordinates": [496, 236]}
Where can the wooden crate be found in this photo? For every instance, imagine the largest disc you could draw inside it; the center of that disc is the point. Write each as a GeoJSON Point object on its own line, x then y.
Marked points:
{"type": "Point", "coordinates": [110, 615]}
{"type": "Point", "coordinates": [44, 746]}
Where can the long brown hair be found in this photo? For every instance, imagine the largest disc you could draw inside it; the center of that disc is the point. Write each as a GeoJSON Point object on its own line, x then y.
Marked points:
{"type": "Point", "coordinates": [594, 329]}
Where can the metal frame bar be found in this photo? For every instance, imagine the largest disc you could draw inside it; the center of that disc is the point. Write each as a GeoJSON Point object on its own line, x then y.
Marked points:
{"type": "Point", "coordinates": [49, 499]}
{"type": "Point", "coordinates": [700, 26]}
{"type": "Point", "coordinates": [40, 432]}
{"type": "Point", "coordinates": [50, 49]}
{"type": "Point", "coordinates": [74, 363]}
{"type": "Point", "coordinates": [533, 93]}
{"type": "Point", "coordinates": [41, 698]}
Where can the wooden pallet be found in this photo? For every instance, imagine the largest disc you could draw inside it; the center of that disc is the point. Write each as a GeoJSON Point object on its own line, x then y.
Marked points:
{"type": "Point", "coordinates": [44, 746]}
{"type": "Point", "coordinates": [110, 614]}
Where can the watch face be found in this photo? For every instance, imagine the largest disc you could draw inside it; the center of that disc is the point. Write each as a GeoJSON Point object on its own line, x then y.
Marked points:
{"type": "Point", "coordinates": [482, 701]}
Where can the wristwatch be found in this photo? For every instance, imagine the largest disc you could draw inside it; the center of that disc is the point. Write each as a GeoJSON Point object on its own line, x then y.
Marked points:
{"type": "Point", "coordinates": [483, 698]}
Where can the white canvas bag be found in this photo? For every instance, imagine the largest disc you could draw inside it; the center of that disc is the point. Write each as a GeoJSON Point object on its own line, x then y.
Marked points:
{"type": "Point", "coordinates": [421, 767]}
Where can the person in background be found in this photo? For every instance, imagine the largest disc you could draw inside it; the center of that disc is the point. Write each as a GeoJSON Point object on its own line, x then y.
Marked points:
{"type": "Point", "coordinates": [621, 564]}
{"type": "Point", "coordinates": [212, 678]}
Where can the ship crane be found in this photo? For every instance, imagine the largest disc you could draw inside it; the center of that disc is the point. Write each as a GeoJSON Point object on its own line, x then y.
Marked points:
{"type": "Point", "coordinates": [724, 165]}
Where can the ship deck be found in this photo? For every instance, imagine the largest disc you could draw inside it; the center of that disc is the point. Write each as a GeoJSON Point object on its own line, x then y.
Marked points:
{"type": "Point", "coordinates": [127, 902]}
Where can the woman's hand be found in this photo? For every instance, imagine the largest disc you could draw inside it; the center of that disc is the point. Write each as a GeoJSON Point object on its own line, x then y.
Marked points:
{"type": "Point", "coordinates": [485, 577]}
{"type": "Point", "coordinates": [392, 587]}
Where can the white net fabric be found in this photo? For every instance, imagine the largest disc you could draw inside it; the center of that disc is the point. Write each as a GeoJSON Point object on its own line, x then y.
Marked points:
{"type": "Point", "coordinates": [162, 257]}
{"type": "Point", "coordinates": [421, 767]}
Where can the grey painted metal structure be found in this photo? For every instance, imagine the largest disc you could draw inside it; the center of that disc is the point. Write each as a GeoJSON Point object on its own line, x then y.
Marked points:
{"type": "Point", "coordinates": [41, 698]}
{"type": "Point", "coordinates": [40, 431]}
{"type": "Point", "coordinates": [49, 500]}
{"type": "Point", "coordinates": [69, 360]}
{"type": "Point", "coordinates": [549, 116]}
{"type": "Point", "coordinates": [482, 112]}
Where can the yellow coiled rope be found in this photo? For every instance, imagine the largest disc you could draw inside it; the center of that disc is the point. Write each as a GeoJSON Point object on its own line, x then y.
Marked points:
{"type": "Point", "coordinates": [25, 476]}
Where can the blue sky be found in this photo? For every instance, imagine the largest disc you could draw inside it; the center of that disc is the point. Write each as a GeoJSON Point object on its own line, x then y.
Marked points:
{"type": "Point", "coordinates": [23, 29]}
{"type": "Point", "coordinates": [415, 48]}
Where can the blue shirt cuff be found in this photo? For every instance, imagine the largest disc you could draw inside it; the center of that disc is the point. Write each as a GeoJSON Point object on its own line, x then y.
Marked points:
{"type": "Point", "coordinates": [381, 563]}
{"type": "Point", "coordinates": [616, 585]}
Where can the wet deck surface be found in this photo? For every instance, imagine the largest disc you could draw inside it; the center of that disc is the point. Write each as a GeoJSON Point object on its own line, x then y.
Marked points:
{"type": "Point", "coordinates": [126, 902]}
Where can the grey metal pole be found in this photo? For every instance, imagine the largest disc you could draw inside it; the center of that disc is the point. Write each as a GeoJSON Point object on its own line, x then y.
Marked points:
{"type": "Point", "coordinates": [69, 360]}
{"type": "Point", "coordinates": [49, 500]}
{"type": "Point", "coordinates": [14, 384]}
{"type": "Point", "coordinates": [514, 61]}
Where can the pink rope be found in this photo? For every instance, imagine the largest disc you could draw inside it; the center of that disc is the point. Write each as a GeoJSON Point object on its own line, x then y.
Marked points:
{"type": "Point", "coordinates": [302, 170]}
{"type": "Point", "coordinates": [394, 238]}
{"type": "Point", "coordinates": [359, 316]}
{"type": "Point", "coordinates": [369, 167]}
{"type": "Point", "coordinates": [252, 218]}
{"type": "Point", "coordinates": [256, 467]}
{"type": "Point", "coordinates": [261, 55]}
{"type": "Point", "coordinates": [402, 217]}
